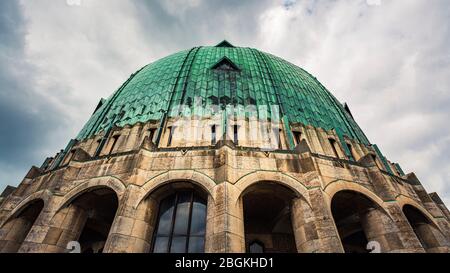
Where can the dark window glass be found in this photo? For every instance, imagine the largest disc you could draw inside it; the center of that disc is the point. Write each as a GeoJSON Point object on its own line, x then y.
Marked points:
{"type": "Point", "coordinates": [213, 135]}
{"type": "Point", "coordinates": [169, 141]}
{"type": "Point", "coordinates": [256, 247]}
{"type": "Point", "coordinates": [166, 216]}
{"type": "Point", "coordinates": [178, 244]}
{"type": "Point", "coordinates": [181, 224]}
{"type": "Point", "coordinates": [151, 134]}
{"type": "Point", "coordinates": [298, 137]}
{"type": "Point", "coordinates": [198, 218]}
{"type": "Point", "coordinates": [183, 213]}
{"type": "Point", "coordinates": [161, 245]}
{"type": "Point", "coordinates": [196, 244]}
{"type": "Point", "coordinates": [280, 145]}
{"type": "Point", "coordinates": [97, 147]}
{"type": "Point", "coordinates": [114, 142]}
{"type": "Point", "coordinates": [374, 157]}
{"type": "Point", "coordinates": [350, 148]}
{"type": "Point", "coordinates": [333, 147]}
{"type": "Point", "coordinates": [236, 134]}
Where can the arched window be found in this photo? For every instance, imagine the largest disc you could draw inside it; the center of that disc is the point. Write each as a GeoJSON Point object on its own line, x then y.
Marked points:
{"type": "Point", "coordinates": [181, 224]}
{"type": "Point", "coordinates": [256, 247]}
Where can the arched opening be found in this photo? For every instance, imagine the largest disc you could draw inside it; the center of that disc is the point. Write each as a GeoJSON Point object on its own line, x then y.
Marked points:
{"type": "Point", "coordinates": [180, 225]}
{"type": "Point", "coordinates": [17, 228]}
{"type": "Point", "coordinates": [358, 220]}
{"type": "Point", "coordinates": [423, 228]}
{"type": "Point", "coordinates": [93, 214]}
{"type": "Point", "coordinates": [267, 218]}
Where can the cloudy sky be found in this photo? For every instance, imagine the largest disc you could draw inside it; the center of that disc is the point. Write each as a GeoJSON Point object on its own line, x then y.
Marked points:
{"type": "Point", "coordinates": [389, 59]}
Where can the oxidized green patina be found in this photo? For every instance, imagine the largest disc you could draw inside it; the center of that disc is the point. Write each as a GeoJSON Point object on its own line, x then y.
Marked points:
{"type": "Point", "coordinates": [222, 76]}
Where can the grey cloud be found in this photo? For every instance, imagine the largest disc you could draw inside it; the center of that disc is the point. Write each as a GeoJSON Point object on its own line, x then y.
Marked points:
{"type": "Point", "coordinates": [28, 123]}
{"type": "Point", "coordinates": [206, 22]}
{"type": "Point", "coordinates": [391, 63]}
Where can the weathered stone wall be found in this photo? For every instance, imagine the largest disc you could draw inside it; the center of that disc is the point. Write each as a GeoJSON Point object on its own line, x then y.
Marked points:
{"type": "Point", "coordinates": [134, 168]}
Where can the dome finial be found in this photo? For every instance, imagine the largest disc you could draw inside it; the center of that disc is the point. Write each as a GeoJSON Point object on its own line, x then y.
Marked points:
{"type": "Point", "coordinates": [224, 43]}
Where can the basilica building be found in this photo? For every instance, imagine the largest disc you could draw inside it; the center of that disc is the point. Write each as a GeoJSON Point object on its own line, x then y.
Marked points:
{"type": "Point", "coordinates": [222, 149]}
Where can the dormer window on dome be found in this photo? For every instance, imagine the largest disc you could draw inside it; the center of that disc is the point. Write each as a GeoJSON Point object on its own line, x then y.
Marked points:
{"type": "Point", "coordinates": [225, 64]}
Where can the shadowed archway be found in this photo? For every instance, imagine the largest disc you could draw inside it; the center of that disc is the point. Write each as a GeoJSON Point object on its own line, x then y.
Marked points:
{"type": "Point", "coordinates": [88, 219]}
{"type": "Point", "coordinates": [360, 220]}
{"type": "Point", "coordinates": [19, 226]}
{"type": "Point", "coordinates": [423, 227]}
{"type": "Point", "coordinates": [267, 218]}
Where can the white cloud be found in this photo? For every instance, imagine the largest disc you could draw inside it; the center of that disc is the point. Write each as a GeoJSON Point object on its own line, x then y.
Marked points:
{"type": "Point", "coordinates": [390, 62]}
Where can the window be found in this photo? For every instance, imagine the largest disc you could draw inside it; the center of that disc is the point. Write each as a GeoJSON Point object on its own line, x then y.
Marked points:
{"type": "Point", "coordinates": [350, 148]}
{"type": "Point", "coordinates": [394, 169]}
{"type": "Point", "coordinates": [169, 141]}
{"type": "Point", "coordinates": [181, 224]}
{"type": "Point", "coordinates": [97, 147]}
{"type": "Point", "coordinates": [69, 157]}
{"type": "Point", "coordinates": [226, 65]}
{"type": "Point", "coordinates": [280, 144]}
{"type": "Point", "coordinates": [256, 247]}
{"type": "Point", "coordinates": [236, 134]}
{"type": "Point", "coordinates": [213, 135]}
{"type": "Point", "coordinates": [151, 134]}
{"type": "Point", "coordinates": [298, 137]}
{"type": "Point", "coordinates": [375, 158]}
{"type": "Point", "coordinates": [333, 147]}
{"type": "Point", "coordinates": [114, 142]}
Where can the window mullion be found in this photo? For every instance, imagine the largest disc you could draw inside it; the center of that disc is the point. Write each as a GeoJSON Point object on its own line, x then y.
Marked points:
{"type": "Point", "coordinates": [189, 222]}
{"type": "Point", "coordinates": [173, 222]}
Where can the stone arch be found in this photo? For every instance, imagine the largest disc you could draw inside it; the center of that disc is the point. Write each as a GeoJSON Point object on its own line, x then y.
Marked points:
{"type": "Point", "coordinates": [332, 189]}
{"type": "Point", "coordinates": [43, 195]}
{"type": "Point", "coordinates": [195, 177]}
{"type": "Point", "coordinates": [109, 182]}
{"type": "Point", "coordinates": [21, 221]}
{"type": "Point", "coordinates": [287, 199]}
{"type": "Point", "coordinates": [430, 236]}
{"type": "Point", "coordinates": [404, 200]}
{"type": "Point", "coordinates": [289, 182]}
{"type": "Point", "coordinates": [86, 213]}
{"type": "Point", "coordinates": [360, 217]}
{"type": "Point", "coordinates": [159, 190]}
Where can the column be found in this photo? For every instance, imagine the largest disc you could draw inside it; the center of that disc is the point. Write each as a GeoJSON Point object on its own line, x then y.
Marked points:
{"type": "Point", "coordinates": [313, 227]}
{"type": "Point", "coordinates": [431, 238]}
{"type": "Point", "coordinates": [380, 228]}
{"type": "Point", "coordinates": [411, 243]}
{"type": "Point", "coordinates": [225, 221]}
{"type": "Point", "coordinates": [132, 229]}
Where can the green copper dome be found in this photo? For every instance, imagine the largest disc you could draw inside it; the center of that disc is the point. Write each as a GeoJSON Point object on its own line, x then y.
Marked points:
{"type": "Point", "coordinates": [222, 76]}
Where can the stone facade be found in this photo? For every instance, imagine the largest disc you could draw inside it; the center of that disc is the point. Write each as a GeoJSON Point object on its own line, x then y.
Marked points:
{"type": "Point", "coordinates": [328, 202]}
